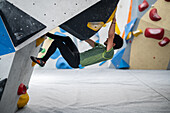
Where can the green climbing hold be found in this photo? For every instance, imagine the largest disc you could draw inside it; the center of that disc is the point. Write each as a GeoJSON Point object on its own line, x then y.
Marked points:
{"type": "Point", "coordinates": [42, 56]}
{"type": "Point", "coordinates": [43, 50]}
{"type": "Point", "coordinates": [50, 38]}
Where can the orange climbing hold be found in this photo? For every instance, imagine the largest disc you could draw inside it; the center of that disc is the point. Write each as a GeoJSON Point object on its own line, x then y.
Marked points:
{"type": "Point", "coordinates": [33, 64]}
{"type": "Point", "coordinates": [39, 41]}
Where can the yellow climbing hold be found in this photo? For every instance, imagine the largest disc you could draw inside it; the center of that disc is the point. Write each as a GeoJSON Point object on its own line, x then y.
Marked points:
{"type": "Point", "coordinates": [129, 36]}
{"type": "Point", "coordinates": [117, 30]}
{"type": "Point", "coordinates": [112, 16]}
{"type": "Point", "coordinates": [23, 100]}
{"type": "Point", "coordinates": [95, 26]}
{"type": "Point", "coordinates": [137, 33]}
{"type": "Point", "coordinates": [39, 41]}
{"type": "Point", "coordinates": [104, 25]}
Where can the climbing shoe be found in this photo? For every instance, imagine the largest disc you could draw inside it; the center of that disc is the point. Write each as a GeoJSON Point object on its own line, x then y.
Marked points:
{"type": "Point", "coordinates": [38, 61]}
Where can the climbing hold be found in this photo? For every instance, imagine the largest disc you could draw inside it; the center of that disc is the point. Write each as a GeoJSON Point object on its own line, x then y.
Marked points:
{"type": "Point", "coordinates": [62, 30]}
{"type": "Point", "coordinates": [27, 87]}
{"type": "Point", "coordinates": [167, 0]}
{"type": "Point", "coordinates": [98, 37]}
{"type": "Point", "coordinates": [95, 26]}
{"type": "Point", "coordinates": [112, 16]}
{"type": "Point", "coordinates": [118, 62]}
{"type": "Point", "coordinates": [22, 89]}
{"type": "Point", "coordinates": [49, 38]}
{"type": "Point", "coordinates": [164, 42]}
{"type": "Point", "coordinates": [156, 33]}
{"type": "Point", "coordinates": [154, 15]}
{"type": "Point", "coordinates": [33, 64]}
{"type": "Point", "coordinates": [137, 32]}
{"type": "Point", "coordinates": [62, 64]}
{"type": "Point", "coordinates": [42, 56]}
{"type": "Point", "coordinates": [102, 63]}
{"type": "Point", "coordinates": [80, 66]}
{"type": "Point", "coordinates": [23, 100]}
{"type": "Point", "coordinates": [117, 30]}
{"type": "Point", "coordinates": [2, 86]}
{"type": "Point", "coordinates": [56, 54]}
{"type": "Point", "coordinates": [129, 36]}
{"type": "Point", "coordinates": [43, 50]}
{"type": "Point", "coordinates": [39, 41]}
{"type": "Point", "coordinates": [143, 6]}
{"type": "Point", "coordinates": [129, 27]}
{"type": "Point", "coordinates": [104, 25]}
{"type": "Point", "coordinates": [60, 34]}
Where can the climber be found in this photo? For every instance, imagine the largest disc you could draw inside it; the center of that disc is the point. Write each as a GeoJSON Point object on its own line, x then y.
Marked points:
{"type": "Point", "coordinates": [69, 51]}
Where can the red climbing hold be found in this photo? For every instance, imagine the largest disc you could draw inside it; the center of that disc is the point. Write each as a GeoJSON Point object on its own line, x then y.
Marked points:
{"type": "Point", "coordinates": [22, 89]}
{"type": "Point", "coordinates": [164, 42]}
{"type": "Point", "coordinates": [154, 15]}
{"type": "Point", "coordinates": [167, 0]}
{"type": "Point", "coordinates": [156, 33]}
{"type": "Point", "coordinates": [143, 6]}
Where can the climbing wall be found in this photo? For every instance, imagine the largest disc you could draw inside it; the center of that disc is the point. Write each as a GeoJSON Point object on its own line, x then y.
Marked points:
{"type": "Point", "coordinates": [82, 26]}
{"type": "Point", "coordinates": [146, 53]}
{"type": "Point", "coordinates": [50, 13]}
{"type": "Point", "coordinates": [22, 26]}
{"type": "Point", "coordinates": [146, 37]}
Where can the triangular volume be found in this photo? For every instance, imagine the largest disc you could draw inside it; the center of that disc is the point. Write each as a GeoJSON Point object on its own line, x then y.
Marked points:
{"type": "Point", "coordinates": [117, 58]}
{"type": "Point", "coordinates": [129, 27]}
{"type": "Point", "coordinates": [98, 13]}
{"type": "Point", "coordinates": [19, 25]}
{"type": "Point", "coordinates": [6, 45]}
{"type": "Point", "coordinates": [123, 65]}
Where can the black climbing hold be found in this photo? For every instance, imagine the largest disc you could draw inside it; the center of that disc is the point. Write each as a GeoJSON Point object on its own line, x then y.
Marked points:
{"type": "Point", "coordinates": [2, 86]}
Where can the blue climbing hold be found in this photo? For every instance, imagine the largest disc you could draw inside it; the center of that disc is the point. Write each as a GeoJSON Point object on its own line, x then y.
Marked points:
{"type": "Point", "coordinates": [62, 64]}
{"type": "Point", "coordinates": [123, 65]}
{"type": "Point", "coordinates": [62, 30]}
{"type": "Point", "coordinates": [117, 60]}
{"type": "Point", "coordinates": [102, 63]}
{"type": "Point", "coordinates": [56, 54]}
{"type": "Point", "coordinates": [60, 34]}
{"type": "Point", "coordinates": [129, 27]}
{"type": "Point", "coordinates": [80, 66]}
{"type": "Point", "coordinates": [97, 34]}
